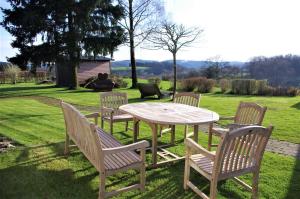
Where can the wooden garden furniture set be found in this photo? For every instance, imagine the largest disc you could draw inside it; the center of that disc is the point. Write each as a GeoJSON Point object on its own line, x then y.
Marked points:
{"type": "Point", "coordinates": [240, 149]}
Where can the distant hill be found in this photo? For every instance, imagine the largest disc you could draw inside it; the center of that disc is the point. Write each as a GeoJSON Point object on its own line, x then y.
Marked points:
{"type": "Point", "coordinates": [181, 63]}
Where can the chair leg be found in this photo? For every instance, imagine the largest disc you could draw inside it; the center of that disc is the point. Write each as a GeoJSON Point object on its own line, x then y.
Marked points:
{"type": "Point", "coordinates": [111, 127]}
{"type": "Point", "coordinates": [126, 126]}
{"type": "Point", "coordinates": [160, 130]}
{"type": "Point", "coordinates": [255, 185]}
{"type": "Point", "coordinates": [67, 143]}
{"type": "Point", "coordinates": [143, 177]}
{"type": "Point", "coordinates": [186, 177]}
{"type": "Point", "coordinates": [101, 186]}
{"type": "Point", "coordinates": [209, 136]}
{"type": "Point", "coordinates": [213, 189]}
{"type": "Point", "coordinates": [102, 123]}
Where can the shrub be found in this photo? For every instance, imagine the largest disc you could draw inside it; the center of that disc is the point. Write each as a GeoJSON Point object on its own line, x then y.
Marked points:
{"type": "Point", "coordinates": [225, 85]}
{"type": "Point", "coordinates": [188, 85]}
{"type": "Point", "coordinates": [167, 77]}
{"type": "Point", "coordinates": [154, 80]}
{"type": "Point", "coordinates": [119, 81]}
{"type": "Point", "coordinates": [204, 85]}
{"type": "Point", "coordinates": [292, 91]}
{"type": "Point", "coordinates": [12, 72]}
{"type": "Point", "coordinates": [244, 86]}
{"type": "Point", "coordinates": [262, 87]}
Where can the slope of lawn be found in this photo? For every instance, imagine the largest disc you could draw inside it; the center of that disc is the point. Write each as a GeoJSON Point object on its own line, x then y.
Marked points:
{"type": "Point", "coordinates": [38, 169]}
{"type": "Point", "coordinates": [283, 112]}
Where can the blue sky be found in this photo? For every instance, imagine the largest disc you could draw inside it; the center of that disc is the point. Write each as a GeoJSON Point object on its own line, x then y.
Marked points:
{"type": "Point", "coordinates": [234, 30]}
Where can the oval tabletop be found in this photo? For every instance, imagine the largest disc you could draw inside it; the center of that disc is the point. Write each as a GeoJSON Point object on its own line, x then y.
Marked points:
{"type": "Point", "coordinates": [170, 113]}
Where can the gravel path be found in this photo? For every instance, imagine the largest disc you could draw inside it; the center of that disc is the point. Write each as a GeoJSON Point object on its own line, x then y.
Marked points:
{"type": "Point", "coordinates": [275, 146]}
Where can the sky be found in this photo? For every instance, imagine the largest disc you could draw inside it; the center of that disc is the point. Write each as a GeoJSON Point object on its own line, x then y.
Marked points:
{"type": "Point", "coordinates": [234, 30]}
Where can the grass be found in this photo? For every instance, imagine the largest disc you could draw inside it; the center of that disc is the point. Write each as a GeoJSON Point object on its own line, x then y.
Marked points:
{"type": "Point", "coordinates": [124, 68]}
{"type": "Point", "coordinates": [36, 168]}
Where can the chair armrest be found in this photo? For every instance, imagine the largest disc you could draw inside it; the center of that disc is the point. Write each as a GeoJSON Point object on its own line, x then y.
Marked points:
{"type": "Point", "coordinates": [236, 126]}
{"type": "Point", "coordinates": [138, 145]}
{"type": "Point", "coordinates": [92, 115]}
{"type": "Point", "coordinates": [227, 118]}
{"type": "Point", "coordinates": [105, 110]}
{"type": "Point", "coordinates": [191, 144]}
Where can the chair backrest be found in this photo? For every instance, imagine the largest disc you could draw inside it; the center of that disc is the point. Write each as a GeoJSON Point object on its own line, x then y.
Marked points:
{"type": "Point", "coordinates": [84, 135]}
{"type": "Point", "coordinates": [240, 151]}
{"type": "Point", "coordinates": [250, 113]}
{"type": "Point", "coordinates": [113, 100]}
{"type": "Point", "coordinates": [187, 98]}
{"type": "Point", "coordinates": [149, 89]}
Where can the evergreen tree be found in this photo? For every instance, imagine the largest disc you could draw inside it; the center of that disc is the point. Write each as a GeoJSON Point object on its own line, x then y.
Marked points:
{"type": "Point", "coordinates": [60, 31]}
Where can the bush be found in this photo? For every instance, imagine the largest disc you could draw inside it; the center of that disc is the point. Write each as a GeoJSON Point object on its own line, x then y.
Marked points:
{"type": "Point", "coordinates": [244, 86]}
{"type": "Point", "coordinates": [12, 72]}
{"type": "Point", "coordinates": [188, 85]}
{"type": "Point", "coordinates": [154, 80]}
{"type": "Point", "coordinates": [225, 85]}
{"type": "Point", "coordinates": [119, 81]}
{"type": "Point", "coordinates": [167, 77]}
{"type": "Point", "coordinates": [204, 85]}
{"type": "Point", "coordinates": [292, 91]}
{"type": "Point", "coordinates": [262, 87]}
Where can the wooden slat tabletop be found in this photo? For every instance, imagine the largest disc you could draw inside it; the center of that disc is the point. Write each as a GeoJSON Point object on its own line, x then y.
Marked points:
{"type": "Point", "coordinates": [170, 113]}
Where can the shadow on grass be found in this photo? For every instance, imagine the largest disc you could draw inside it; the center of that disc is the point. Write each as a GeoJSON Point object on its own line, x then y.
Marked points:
{"type": "Point", "coordinates": [297, 105]}
{"type": "Point", "coordinates": [42, 172]}
{"type": "Point", "coordinates": [24, 88]}
{"type": "Point", "coordinates": [294, 188]}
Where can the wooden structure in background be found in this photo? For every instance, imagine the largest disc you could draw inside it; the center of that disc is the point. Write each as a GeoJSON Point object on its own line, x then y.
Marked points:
{"type": "Point", "coordinates": [90, 67]}
{"type": "Point", "coordinates": [103, 151]}
{"type": "Point", "coordinates": [239, 152]}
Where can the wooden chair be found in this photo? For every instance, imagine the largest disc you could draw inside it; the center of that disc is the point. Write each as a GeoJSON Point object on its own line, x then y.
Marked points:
{"type": "Point", "coordinates": [103, 151]}
{"type": "Point", "coordinates": [109, 110]}
{"type": "Point", "coordinates": [149, 89]}
{"type": "Point", "coordinates": [248, 113]}
{"type": "Point", "coordinates": [239, 152]}
{"type": "Point", "coordinates": [188, 98]}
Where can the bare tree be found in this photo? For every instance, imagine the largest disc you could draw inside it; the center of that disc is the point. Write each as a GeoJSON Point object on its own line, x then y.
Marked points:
{"type": "Point", "coordinates": [140, 19]}
{"type": "Point", "coordinates": [173, 37]}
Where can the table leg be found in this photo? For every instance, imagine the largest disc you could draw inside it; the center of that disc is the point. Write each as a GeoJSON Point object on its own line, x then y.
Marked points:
{"type": "Point", "coordinates": [154, 128]}
{"type": "Point", "coordinates": [172, 134]}
{"type": "Point", "coordinates": [210, 136]}
{"type": "Point", "coordinates": [196, 131]}
{"type": "Point", "coordinates": [135, 129]}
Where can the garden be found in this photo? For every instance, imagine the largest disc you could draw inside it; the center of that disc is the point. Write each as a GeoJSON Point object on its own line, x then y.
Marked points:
{"type": "Point", "coordinates": [36, 166]}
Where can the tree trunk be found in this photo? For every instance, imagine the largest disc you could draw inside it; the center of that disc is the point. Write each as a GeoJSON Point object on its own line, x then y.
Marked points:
{"type": "Point", "coordinates": [66, 74]}
{"type": "Point", "coordinates": [175, 74]}
{"type": "Point", "coordinates": [132, 53]}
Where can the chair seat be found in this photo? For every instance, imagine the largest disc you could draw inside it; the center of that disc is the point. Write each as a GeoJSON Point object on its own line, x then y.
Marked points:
{"type": "Point", "coordinates": [118, 160]}
{"type": "Point", "coordinates": [205, 164]}
{"type": "Point", "coordinates": [202, 162]}
{"type": "Point", "coordinates": [120, 118]}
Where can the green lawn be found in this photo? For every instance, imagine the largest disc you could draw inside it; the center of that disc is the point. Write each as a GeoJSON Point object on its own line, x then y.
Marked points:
{"type": "Point", "coordinates": [38, 169]}
{"type": "Point", "coordinates": [124, 68]}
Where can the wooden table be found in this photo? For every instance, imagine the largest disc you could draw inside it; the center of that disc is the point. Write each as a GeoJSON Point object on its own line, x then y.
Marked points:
{"type": "Point", "coordinates": [155, 114]}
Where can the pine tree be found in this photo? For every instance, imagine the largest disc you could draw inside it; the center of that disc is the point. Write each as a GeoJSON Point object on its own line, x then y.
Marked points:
{"type": "Point", "coordinates": [61, 31]}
